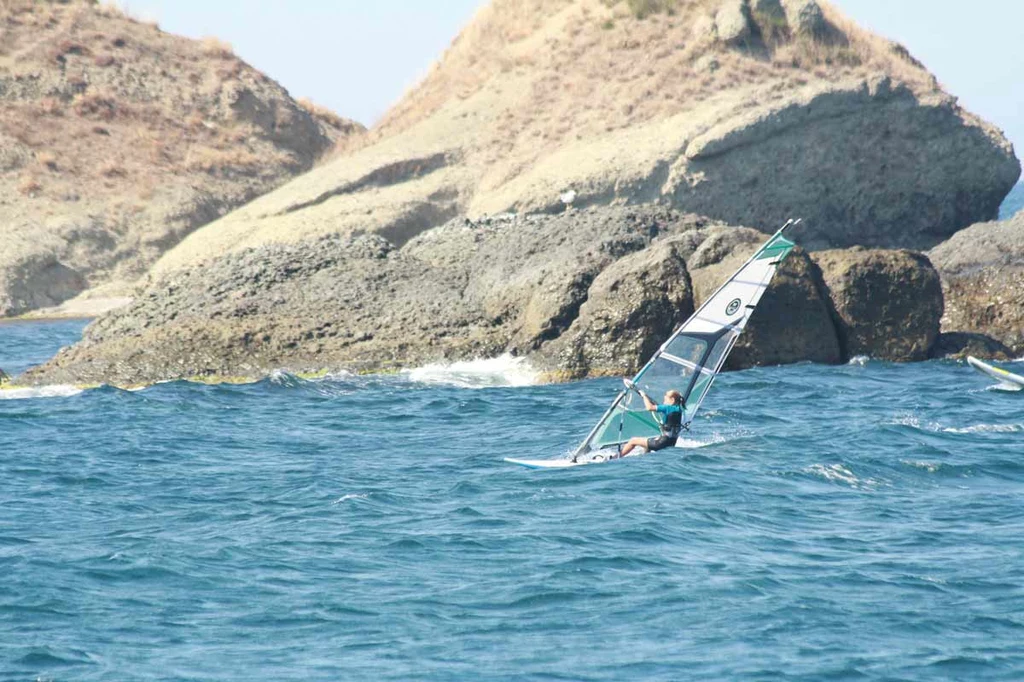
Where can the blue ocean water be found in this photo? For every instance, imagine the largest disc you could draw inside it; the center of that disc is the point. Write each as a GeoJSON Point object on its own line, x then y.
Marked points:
{"type": "Point", "coordinates": [1013, 203]}
{"type": "Point", "coordinates": [854, 522]}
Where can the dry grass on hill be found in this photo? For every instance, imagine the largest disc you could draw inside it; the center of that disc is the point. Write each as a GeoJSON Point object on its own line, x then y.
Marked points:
{"type": "Point", "coordinates": [582, 68]}
{"type": "Point", "coordinates": [83, 89]}
{"type": "Point", "coordinates": [132, 135]}
{"type": "Point", "coordinates": [610, 98]}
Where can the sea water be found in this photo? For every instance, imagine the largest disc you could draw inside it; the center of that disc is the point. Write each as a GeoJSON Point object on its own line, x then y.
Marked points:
{"type": "Point", "coordinates": [1013, 204]}
{"type": "Point", "coordinates": [854, 522]}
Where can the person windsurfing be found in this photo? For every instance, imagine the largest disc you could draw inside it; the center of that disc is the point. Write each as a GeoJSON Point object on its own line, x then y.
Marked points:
{"type": "Point", "coordinates": [671, 412]}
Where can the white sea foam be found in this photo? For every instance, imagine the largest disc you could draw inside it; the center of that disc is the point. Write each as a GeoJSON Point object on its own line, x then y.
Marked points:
{"type": "Point", "coordinates": [833, 472]}
{"type": "Point", "coordinates": [693, 443]}
{"type": "Point", "coordinates": [56, 391]}
{"type": "Point", "coordinates": [840, 474]}
{"type": "Point", "coordinates": [930, 467]}
{"type": "Point", "coordinates": [859, 360]}
{"type": "Point", "coordinates": [913, 421]}
{"type": "Point", "coordinates": [351, 496]}
{"type": "Point", "coordinates": [988, 428]}
{"type": "Point", "coordinates": [504, 370]}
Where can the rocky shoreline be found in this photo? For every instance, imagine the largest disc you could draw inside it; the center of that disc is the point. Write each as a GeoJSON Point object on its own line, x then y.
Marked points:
{"type": "Point", "coordinates": [584, 293]}
{"type": "Point", "coordinates": [616, 205]}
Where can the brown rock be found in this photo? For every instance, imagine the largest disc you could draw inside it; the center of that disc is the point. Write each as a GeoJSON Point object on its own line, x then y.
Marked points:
{"type": "Point", "coordinates": [806, 18]}
{"type": "Point", "coordinates": [982, 271]}
{"type": "Point", "coordinates": [887, 304]}
{"type": "Point", "coordinates": [792, 322]}
{"type": "Point", "coordinates": [461, 291]}
{"type": "Point", "coordinates": [632, 307]}
{"type": "Point", "coordinates": [959, 345]}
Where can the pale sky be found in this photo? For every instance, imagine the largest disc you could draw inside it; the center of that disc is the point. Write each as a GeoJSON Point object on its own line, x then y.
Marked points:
{"type": "Point", "coordinates": [358, 57]}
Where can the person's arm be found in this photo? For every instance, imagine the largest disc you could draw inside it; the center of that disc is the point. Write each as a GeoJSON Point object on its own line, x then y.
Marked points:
{"type": "Point", "coordinates": [649, 404]}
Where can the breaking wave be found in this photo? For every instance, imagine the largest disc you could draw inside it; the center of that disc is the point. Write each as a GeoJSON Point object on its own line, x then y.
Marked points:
{"type": "Point", "coordinates": [914, 422]}
{"type": "Point", "coordinates": [503, 370]}
{"type": "Point", "coordinates": [839, 473]}
{"type": "Point", "coordinates": [988, 428]}
{"type": "Point", "coordinates": [56, 391]}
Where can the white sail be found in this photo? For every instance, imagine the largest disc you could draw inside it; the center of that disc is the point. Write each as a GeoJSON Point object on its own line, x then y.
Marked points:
{"type": "Point", "coordinates": [693, 356]}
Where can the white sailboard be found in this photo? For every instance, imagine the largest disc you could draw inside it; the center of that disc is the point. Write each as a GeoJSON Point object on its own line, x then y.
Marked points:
{"type": "Point", "coordinates": [1007, 380]}
{"type": "Point", "coordinates": [688, 361]}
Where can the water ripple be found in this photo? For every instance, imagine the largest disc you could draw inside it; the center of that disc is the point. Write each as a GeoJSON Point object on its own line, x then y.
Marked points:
{"type": "Point", "coordinates": [818, 523]}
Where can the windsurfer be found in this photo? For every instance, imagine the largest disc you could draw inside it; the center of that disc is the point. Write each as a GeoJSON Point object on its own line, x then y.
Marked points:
{"type": "Point", "coordinates": [671, 412]}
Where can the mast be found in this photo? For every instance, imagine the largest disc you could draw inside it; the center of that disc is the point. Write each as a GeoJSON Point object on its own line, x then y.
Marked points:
{"type": "Point", "coordinates": [693, 356]}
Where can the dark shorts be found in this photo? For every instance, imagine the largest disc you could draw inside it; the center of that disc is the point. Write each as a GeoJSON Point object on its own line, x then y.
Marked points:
{"type": "Point", "coordinates": [655, 443]}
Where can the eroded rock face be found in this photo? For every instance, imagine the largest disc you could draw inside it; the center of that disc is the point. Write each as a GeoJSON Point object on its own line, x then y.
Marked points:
{"type": "Point", "coordinates": [769, 112]}
{"type": "Point", "coordinates": [792, 322]}
{"type": "Point", "coordinates": [982, 271]}
{"type": "Point", "coordinates": [764, 166]}
{"type": "Point", "coordinates": [631, 308]}
{"type": "Point", "coordinates": [887, 304]}
{"type": "Point", "coordinates": [584, 293]}
{"type": "Point", "coordinates": [37, 281]}
{"type": "Point", "coordinates": [464, 290]}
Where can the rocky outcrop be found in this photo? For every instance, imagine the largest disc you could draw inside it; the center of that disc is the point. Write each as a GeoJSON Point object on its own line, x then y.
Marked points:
{"type": "Point", "coordinates": [806, 18]}
{"type": "Point", "coordinates": [119, 139]}
{"type": "Point", "coordinates": [792, 321]}
{"type": "Point", "coordinates": [982, 271]}
{"type": "Point", "coordinates": [733, 23]}
{"type": "Point", "coordinates": [747, 111]}
{"type": "Point", "coordinates": [960, 345]}
{"type": "Point", "coordinates": [631, 308]}
{"type": "Point", "coordinates": [37, 281]}
{"type": "Point", "coordinates": [464, 290]}
{"type": "Point", "coordinates": [887, 304]}
{"type": "Point", "coordinates": [584, 293]}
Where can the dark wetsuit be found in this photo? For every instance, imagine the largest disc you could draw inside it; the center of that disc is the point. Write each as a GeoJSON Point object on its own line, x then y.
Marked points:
{"type": "Point", "coordinates": [671, 425]}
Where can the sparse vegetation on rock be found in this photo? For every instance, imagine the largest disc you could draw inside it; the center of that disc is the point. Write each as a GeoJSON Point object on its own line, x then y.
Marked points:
{"type": "Point", "coordinates": [797, 112]}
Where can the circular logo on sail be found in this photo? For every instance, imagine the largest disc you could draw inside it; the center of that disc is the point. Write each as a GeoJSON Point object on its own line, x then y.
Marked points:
{"type": "Point", "coordinates": [733, 306]}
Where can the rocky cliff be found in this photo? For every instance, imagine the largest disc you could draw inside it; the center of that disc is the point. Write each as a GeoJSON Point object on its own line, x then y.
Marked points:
{"type": "Point", "coordinates": [584, 293]}
{"type": "Point", "coordinates": [117, 140]}
{"type": "Point", "coordinates": [584, 140]}
{"type": "Point", "coordinates": [747, 111]}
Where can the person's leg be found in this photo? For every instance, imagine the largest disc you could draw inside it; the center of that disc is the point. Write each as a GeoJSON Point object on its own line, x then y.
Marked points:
{"type": "Point", "coordinates": [637, 442]}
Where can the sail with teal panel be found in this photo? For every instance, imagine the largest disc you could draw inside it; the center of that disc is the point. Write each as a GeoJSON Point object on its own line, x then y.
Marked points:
{"type": "Point", "coordinates": [693, 356]}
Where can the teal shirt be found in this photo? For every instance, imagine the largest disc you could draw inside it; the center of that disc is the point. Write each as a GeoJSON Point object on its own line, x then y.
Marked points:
{"type": "Point", "coordinates": [666, 410]}
{"type": "Point", "coordinates": [671, 419]}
